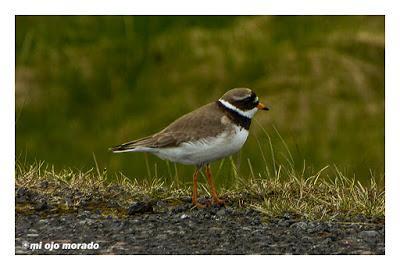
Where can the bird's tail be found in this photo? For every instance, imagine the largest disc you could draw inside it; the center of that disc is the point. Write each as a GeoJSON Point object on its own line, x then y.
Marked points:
{"type": "Point", "coordinates": [141, 145]}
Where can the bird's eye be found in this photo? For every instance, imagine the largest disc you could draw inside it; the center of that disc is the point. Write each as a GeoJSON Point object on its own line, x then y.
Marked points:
{"type": "Point", "coordinates": [255, 100]}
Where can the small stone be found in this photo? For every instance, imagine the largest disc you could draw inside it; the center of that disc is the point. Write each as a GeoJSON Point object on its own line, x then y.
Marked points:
{"type": "Point", "coordinates": [21, 195]}
{"type": "Point", "coordinates": [214, 230]}
{"type": "Point", "coordinates": [186, 199]}
{"type": "Point", "coordinates": [180, 208]}
{"type": "Point", "coordinates": [82, 222]}
{"type": "Point", "coordinates": [161, 237]}
{"type": "Point", "coordinates": [365, 252]}
{"type": "Point", "coordinates": [41, 206]}
{"type": "Point", "coordinates": [213, 209]}
{"type": "Point", "coordinates": [287, 216]}
{"type": "Point", "coordinates": [184, 216]}
{"type": "Point", "coordinates": [284, 223]}
{"type": "Point", "coordinates": [116, 223]}
{"type": "Point", "coordinates": [221, 212]}
{"type": "Point", "coordinates": [140, 208]}
{"type": "Point", "coordinates": [21, 191]}
{"type": "Point", "coordinates": [326, 241]}
{"type": "Point", "coordinates": [25, 245]}
{"type": "Point", "coordinates": [43, 221]}
{"type": "Point", "coordinates": [85, 214]}
{"type": "Point", "coordinates": [44, 184]}
{"type": "Point", "coordinates": [299, 225]}
{"type": "Point", "coordinates": [161, 204]}
{"type": "Point", "coordinates": [369, 236]}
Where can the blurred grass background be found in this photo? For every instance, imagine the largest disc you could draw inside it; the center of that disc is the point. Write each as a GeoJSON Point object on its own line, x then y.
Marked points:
{"type": "Point", "coordinates": [85, 83]}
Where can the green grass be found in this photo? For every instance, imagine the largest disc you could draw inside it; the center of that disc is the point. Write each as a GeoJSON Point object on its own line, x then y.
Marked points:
{"type": "Point", "coordinates": [309, 196]}
{"type": "Point", "coordinates": [85, 83]}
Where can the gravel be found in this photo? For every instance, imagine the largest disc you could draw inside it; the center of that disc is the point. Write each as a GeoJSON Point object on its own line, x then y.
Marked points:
{"type": "Point", "coordinates": [196, 232]}
{"type": "Point", "coordinates": [157, 227]}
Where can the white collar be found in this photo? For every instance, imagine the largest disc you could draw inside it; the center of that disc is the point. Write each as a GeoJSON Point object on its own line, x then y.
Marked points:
{"type": "Point", "coordinates": [249, 114]}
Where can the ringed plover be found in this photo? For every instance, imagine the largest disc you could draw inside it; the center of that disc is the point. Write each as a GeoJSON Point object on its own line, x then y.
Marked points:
{"type": "Point", "coordinates": [211, 132]}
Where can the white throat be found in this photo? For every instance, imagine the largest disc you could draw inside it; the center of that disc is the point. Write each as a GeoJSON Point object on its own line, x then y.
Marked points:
{"type": "Point", "coordinates": [249, 114]}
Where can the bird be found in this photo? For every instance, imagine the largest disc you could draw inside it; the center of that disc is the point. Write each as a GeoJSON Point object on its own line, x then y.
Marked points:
{"type": "Point", "coordinates": [209, 133]}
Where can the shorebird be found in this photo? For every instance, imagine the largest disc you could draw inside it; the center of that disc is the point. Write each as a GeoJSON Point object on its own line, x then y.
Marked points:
{"type": "Point", "coordinates": [211, 132]}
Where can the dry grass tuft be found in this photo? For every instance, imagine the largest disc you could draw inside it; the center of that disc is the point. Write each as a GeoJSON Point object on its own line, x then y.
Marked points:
{"type": "Point", "coordinates": [315, 196]}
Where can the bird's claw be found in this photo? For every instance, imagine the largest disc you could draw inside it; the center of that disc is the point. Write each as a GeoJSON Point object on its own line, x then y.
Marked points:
{"type": "Point", "coordinates": [218, 201]}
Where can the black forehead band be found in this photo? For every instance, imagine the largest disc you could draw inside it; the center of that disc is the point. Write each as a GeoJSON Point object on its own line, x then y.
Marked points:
{"type": "Point", "coordinates": [253, 98]}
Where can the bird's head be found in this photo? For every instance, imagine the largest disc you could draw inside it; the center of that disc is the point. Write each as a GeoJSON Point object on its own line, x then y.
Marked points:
{"type": "Point", "coordinates": [242, 100]}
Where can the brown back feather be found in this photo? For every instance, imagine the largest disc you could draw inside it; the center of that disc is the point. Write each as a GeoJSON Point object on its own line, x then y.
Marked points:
{"type": "Point", "coordinates": [202, 122]}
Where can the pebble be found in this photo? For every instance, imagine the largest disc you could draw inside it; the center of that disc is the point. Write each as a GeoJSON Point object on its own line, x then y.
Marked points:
{"type": "Point", "coordinates": [162, 237]}
{"type": "Point", "coordinates": [184, 216]}
{"type": "Point", "coordinates": [21, 192]}
{"type": "Point", "coordinates": [284, 223]}
{"type": "Point", "coordinates": [43, 221]}
{"type": "Point", "coordinates": [44, 184]}
{"type": "Point", "coordinates": [214, 230]}
{"type": "Point", "coordinates": [369, 236]}
{"type": "Point", "coordinates": [186, 199]}
{"type": "Point", "coordinates": [41, 206]}
{"type": "Point", "coordinates": [180, 208]}
{"type": "Point", "coordinates": [221, 212]}
{"type": "Point", "coordinates": [299, 225]}
{"type": "Point", "coordinates": [364, 252]}
{"type": "Point", "coordinates": [140, 208]}
{"type": "Point", "coordinates": [326, 241]}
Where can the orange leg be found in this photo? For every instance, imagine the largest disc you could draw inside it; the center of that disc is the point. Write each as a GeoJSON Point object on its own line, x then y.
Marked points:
{"type": "Point", "coordinates": [194, 194]}
{"type": "Point", "coordinates": [213, 190]}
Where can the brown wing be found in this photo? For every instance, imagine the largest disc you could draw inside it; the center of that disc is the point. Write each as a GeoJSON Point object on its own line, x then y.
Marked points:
{"type": "Point", "coordinates": [200, 123]}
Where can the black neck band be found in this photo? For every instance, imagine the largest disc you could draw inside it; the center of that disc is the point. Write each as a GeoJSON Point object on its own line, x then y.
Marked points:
{"type": "Point", "coordinates": [236, 117]}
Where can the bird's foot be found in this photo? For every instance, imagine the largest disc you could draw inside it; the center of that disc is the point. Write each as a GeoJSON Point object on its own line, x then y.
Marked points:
{"type": "Point", "coordinates": [200, 205]}
{"type": "Point", "coordinates": [208, 203]}
{"type": "Point", "coordinates": [218, 201]}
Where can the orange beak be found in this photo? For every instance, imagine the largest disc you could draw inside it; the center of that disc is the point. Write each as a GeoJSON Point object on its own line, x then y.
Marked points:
{"type": "Point", "coordinates": [261, 106]}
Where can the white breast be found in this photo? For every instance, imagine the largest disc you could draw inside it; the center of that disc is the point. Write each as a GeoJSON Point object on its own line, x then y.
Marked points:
{"type": "Point", "coordinates": [206, 150]}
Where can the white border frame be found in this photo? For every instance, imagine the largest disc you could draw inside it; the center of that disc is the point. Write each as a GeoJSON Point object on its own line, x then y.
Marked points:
{"type": "Point", "coordinates": [205, 7]}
